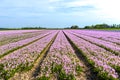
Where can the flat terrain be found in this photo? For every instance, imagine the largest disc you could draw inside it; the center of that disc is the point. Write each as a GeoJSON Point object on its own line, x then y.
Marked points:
{"type": "Point", "coordinates": [59, 55]}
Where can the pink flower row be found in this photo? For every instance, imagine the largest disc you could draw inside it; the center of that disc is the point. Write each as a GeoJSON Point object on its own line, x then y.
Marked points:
{"type": "Point", "coordinates": [26, 54]}
{"type": "Point", "coordinates": [112, 46]}
{"type": "Point", "coordinates": [14, 37]}
{"type": "Point", "coordinates": [60, 53]}
{"type": "Point", "coordinates": [10, 46]}
{"type": "Point", "coordinates": [100, 56]}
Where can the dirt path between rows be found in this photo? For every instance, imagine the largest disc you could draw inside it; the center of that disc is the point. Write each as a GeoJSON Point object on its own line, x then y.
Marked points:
{"type": "Point", "coordinates": [87, 69]}
{"type": "Point", "coordinates": [31, 75]}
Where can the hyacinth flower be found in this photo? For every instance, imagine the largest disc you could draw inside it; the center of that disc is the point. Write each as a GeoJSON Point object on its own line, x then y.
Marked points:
{"type": "Point", "coordinates": [92, 52]}
{"type": "Point", "coordinates": [103, 35]}
{"type": "Point", "coordinates": [99, 34]}
{"type": "Point", "coordinates": [61, 62]}
{"type": "Point", "coordinates": [104, 44]}
{"type": "Point", "coordinates": [7, 37]}
{"type": "Point", "coordinates": [23, 59]}
{"type": "Point", "coordinates": [11, 46]}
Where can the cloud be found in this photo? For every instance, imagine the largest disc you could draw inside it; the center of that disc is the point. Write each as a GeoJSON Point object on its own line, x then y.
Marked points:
{"type": "Point", "coordinates": [108, 8]}
{"type": "Point", "coordinates": [103, 9]}
{"type": "Point", "coordinates": [25, 8]}
{"type": "Point", "coordinates": [69, 11]}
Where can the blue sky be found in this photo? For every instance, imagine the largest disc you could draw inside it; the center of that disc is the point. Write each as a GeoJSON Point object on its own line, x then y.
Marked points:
{"type": "Point", "coordinates": [58, 13]}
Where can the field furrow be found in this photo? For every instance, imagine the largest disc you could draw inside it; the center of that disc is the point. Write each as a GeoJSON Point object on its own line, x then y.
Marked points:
{"type": "Point", "coordinates": [59, 55]}
{"type": "Point", "coordinates": [88, 68]}
{"type": "Point", "coordinates": [33, 72]}
{"type": "Point", "coordinates": [9, 37]}
{"type": "Point", "coordinates": [23, 59]}
{"type": "Point", "coordinates": [106, 36]}
{"type": "Point", "coordinates": [61, 63]}
{"type": "Point", "coordinates": [9, 48]}
{"type": "Point", "coordinates": [114, 48]}
{"type": "Point", "coordinates": [101, 60]}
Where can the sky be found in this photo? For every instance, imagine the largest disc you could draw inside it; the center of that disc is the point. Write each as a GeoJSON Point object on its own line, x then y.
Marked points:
{"type": "Point", "coordinates": [58, 13]}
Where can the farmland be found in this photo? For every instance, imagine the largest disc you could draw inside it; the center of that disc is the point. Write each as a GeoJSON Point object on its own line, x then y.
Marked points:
{"type": "Point", "coordinates": [59, 55]}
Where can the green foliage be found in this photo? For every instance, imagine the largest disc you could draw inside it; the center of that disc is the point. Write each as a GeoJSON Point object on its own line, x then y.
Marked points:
{"type": "Point", "coordinates": [74, 27]}
{"type": "Point", "coordinates": [24, 67]}
{"type": "Point", "coordinates": [91, 62]}
{"type": "Point", "coordinates": [33, 28]}
{"type": "Point", "coordinates": [117, 68]}
{"type": "Point", "coordinates": [104, 76]}
{"type": "Point", "coordinates": [43, 78]}
{"type": "Point", "coordinates": [8, 29]}
{"type": "Point", "coordinates": [70, 77]}
{"type": "Point", "coordinates": [78, 69]}
{"type": "Point", "coordinates": [61, 75]}
{"type": "Point", "coordinates": [100, 75]}
{"type": "Point", "coordinates": [102, 26]}
{"type": "Point", "coordinates": [1, 67]}
{"type": "Point", "coordinates": [3, 73]}
{"type": "Point", "coordinates": [22, 28]}
{"type": "Point", "coordinates": [46, 68]}
{"type": "Point", "coordinates": [56, 68]}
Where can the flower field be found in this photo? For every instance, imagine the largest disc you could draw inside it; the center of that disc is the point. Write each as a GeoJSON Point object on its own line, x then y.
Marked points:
{"type": "Point", "coordinates": [59, 55]}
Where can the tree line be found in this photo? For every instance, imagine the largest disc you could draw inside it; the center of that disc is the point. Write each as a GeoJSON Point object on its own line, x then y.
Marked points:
{"type": "Point", "coordinates": [23, 28]}
{"type": "Point", "coordinates": [72, 27]}
{"type": "Point", "coordinates": [102, 26]}
{"type": "Point", "coordinates": [97, 26]}
{"type": "Point", "coordinates": [33, 28]}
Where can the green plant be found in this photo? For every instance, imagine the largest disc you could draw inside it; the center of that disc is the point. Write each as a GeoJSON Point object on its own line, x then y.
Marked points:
{"type": "Point", "coordinates": [56, 68]}
{"type": "Point", "coordinates": [24, 67]}
{"type": "Point", "coordinates": [78, 69]}
{"type": "Point", "coordinates": [117, 68]}
{"type": "Point", "coordinates": [3, 73]}
{"type": "Point", "coordinates": [61, 75]}
{"type": "Point", "coordinates": [43, 78]}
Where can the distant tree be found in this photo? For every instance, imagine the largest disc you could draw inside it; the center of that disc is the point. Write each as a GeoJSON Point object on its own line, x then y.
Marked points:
{"type": "Point", "coordinates": [74, 27]}
{"type": "Point", "coordinates": [97, 26]}
{"type": "Point", "coordinates": [87, 27]}
{"type": "Point", "coordinates": [118, 25]}
{"type": "Point", "coordinates": [115, 26]}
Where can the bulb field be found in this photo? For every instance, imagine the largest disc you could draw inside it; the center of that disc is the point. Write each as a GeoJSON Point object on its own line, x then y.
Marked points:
{"type": "Point", "coordinates": [59, 55]}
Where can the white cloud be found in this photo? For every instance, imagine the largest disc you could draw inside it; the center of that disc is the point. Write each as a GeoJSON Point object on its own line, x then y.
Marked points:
{"type": "Point", "coordinates": [104, 9]}
{"type": "Point", "coordinates": [108, 8]}
{"type": "Point", "coordinates": [100, 10]}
